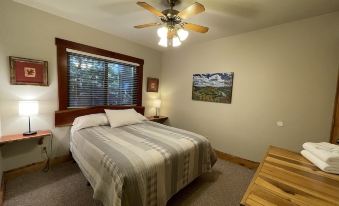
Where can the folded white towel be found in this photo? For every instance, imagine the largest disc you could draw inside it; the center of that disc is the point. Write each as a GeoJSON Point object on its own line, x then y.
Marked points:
{"type": "Point", "coordinates": [319, 163]}
{"type": "Point", "coordinates": [324, 151]}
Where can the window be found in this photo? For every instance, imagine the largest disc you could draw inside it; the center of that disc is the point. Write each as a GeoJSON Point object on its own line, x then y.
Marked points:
{"type": "Point", "coordinates": [96, 82]}
{"type": "Point", "coordinates": [90, 76]}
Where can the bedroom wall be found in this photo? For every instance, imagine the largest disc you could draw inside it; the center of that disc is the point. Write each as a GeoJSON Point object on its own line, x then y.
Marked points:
{"type": "Point", "coordinates": [284, 73]}
{"type": "Point", "coordinates": [30, 33]}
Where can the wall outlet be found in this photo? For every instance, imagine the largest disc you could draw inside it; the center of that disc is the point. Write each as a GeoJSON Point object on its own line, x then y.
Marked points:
{"type": "Point", "coordinates": [280, 123]}
{"type": "Point", "coordinates": [43, 150]}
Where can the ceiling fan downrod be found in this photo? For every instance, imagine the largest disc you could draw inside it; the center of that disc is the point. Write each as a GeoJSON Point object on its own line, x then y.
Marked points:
{"type": "Point", "coordinates": [172, 3]}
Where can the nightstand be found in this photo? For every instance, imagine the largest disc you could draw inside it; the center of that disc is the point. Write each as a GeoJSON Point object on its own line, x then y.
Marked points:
{"type": "Point", "coordinates": [44, 165]}
{"type": "Point", "coordinates": [160, 119]}
{"type": "Point", "coordinates": [20, 137]}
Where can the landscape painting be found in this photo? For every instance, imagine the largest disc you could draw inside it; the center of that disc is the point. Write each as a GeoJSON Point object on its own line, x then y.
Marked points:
{"type": "Point", "coordinates": [213, 87]}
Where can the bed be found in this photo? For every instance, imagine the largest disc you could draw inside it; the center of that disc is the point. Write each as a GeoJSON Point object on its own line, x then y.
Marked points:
{"type": "Point", "coordinates": [140, 164]}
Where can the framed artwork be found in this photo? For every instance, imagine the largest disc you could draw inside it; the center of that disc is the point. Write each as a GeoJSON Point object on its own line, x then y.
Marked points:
{"type": "Point", "coordinates": [213, 87]}
{"type": "Point", "coordinates": [152, 84]}
{"type": "Point", "coordinates": [28, 71]}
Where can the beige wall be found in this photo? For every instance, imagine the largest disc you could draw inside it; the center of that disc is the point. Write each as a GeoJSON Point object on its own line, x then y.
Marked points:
{"type": "Point", "coordinates": [30, 33]}
{"type": "Point", "coordinates": [287, 72]}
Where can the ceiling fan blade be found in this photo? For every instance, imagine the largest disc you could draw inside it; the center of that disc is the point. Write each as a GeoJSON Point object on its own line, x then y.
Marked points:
{"type": "Point", "coordinates": [192, 10]}
{"type": "Point", "coordinates": [147, 25]}
{"type": "Point", "coordinates": [150, 8]}
{"type": "Point", "coordinates": [195, 27]}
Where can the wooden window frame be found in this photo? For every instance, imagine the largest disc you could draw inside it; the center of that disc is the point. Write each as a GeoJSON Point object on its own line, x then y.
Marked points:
{"type": "Point", "coordinates": [63, 45]}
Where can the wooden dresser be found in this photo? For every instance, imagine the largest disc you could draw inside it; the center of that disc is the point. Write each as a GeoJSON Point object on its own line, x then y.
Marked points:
{"type": "Point", "coordinates": [287, 178]}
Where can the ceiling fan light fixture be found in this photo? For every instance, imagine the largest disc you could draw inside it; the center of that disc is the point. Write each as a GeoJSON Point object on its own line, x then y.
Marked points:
{"type": "Point", "coordinates": [174, 29]}
{"type": "Point", "coordinates": [163, 42]}
{"type": "Point", "coordinates": [162, 32]}
{"type": "Point", "coordinates": [176, 42]}
{"type": "Point", "coordinates": [182, 34]}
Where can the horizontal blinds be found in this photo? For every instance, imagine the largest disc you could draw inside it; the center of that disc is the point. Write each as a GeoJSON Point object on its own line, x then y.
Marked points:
{"type": "Point", "coordinates": [94, 81]}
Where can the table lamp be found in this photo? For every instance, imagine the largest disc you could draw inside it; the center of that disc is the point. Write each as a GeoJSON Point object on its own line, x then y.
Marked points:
{"type": "Point", "coordinates": [27, 109]}
{"type": "Point", "coordinates": [157, 104]}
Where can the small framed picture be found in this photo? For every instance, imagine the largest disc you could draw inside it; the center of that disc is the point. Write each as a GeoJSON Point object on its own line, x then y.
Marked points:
{"type": "Point", "coordinates": [152, 84]}
{"type": "Point", "coordinates": [28, 71]}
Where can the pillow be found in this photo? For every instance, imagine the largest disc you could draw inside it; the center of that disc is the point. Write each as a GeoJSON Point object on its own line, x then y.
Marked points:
{"type": "Point", "coordinates": [91, 120]}
{"type": "Point", "coordinates": [141, 117]}
{"type": "Point", "coordinates": [119, 118]}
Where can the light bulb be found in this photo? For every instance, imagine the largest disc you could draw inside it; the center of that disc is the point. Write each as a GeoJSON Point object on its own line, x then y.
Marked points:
{"type": "Point", "coordinates": [182, 34]}
{"type": "Point", "coordinates": [163, 42]}
{"type": "Point", "coordinates": [176, 42]}
{"type": "Point", "coordinates": [162, 32]}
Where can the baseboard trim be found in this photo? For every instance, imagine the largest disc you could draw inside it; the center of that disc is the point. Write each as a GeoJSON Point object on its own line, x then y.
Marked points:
{"type": "Point", "coordinates": [237, 160]}
{"type": "Point", "coordinates": [35, 167]}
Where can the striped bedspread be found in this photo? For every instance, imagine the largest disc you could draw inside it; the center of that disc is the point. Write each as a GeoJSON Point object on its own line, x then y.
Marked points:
{"type": "Point", "coordinates": [141, 164]}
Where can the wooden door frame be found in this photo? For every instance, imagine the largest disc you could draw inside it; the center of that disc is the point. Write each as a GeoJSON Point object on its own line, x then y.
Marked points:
{"type": "Point", "coordinates": [333, 139]}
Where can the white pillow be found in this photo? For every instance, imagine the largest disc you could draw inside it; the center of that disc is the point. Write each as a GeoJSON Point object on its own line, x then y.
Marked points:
{"type": "Point", "coordinates": [91, 120]}
{"type": "Point", "coordinates": [123, 117]}
{"type": "Point", "coordinates": [141, 117]}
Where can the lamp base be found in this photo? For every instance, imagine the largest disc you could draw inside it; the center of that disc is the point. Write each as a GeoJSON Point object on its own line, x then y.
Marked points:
{"type": "Point", "coordinates": [156, 116]}
{"type": "Point", "coordinates": [30, 133]}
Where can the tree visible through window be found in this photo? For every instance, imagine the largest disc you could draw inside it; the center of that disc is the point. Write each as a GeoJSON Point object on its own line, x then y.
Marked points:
{"type": "Point", "coordinates": [96, 82]}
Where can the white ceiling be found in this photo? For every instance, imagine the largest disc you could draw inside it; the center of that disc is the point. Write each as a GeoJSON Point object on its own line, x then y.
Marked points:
{"type": "Point", "coordinates": [223, 17]}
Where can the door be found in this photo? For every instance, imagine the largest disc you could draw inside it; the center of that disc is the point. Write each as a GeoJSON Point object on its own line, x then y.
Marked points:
{"type": "Point", "coordinates": [335, 123]}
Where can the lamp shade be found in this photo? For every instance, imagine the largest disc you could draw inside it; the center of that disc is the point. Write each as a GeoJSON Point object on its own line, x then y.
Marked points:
{"type": "Point", "coordinates": [176, 42]}
{"type": "Point", "coordinates": [28, 108]}
{"type": "Point", "coordinates": [162, 32]}
{"type": "Point", "coordinates": [182, 34]}
{"type": "Point", "coordinates": [157, 103]}
{"type": "Point", "coordinates": [163, 42]}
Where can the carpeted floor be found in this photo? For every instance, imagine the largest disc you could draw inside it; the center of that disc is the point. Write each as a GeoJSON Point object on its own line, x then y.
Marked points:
{"type": "Point", "coordinates": [65, 185]}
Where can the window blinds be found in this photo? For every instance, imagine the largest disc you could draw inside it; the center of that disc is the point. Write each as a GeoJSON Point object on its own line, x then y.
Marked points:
{"type": "Point", "coordinates": [93, 81]}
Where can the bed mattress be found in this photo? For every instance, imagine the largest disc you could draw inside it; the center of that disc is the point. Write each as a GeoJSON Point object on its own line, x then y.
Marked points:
{"type": "Point", "coordinates": [142, 164]}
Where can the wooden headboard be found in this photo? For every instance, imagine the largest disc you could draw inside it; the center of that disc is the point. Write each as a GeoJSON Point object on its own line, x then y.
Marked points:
{"type": "Point", "coordinates": [66, 117]}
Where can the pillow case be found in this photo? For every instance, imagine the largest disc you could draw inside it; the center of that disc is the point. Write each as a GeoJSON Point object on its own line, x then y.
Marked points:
{"type": "Point", "coordinates": [141, 117]}
{"type": "Point", "coordinates": [123, 117]}
{"type": "Point", "coordinates": [90, 120]}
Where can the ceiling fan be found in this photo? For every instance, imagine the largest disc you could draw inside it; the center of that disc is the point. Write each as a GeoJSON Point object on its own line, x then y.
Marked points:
{"type": "Point", "coordinates": [174, 29]}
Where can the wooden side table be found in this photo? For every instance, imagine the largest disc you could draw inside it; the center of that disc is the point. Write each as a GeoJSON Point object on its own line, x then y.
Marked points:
{"type": "Point", "coordinates": [287, 178]}
{"type": "Point", "coordinates": [20, 137]}
{"type": "Point", "coordinates": [160, 119]}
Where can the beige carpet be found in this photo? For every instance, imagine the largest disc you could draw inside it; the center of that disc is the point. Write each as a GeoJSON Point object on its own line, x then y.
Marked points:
{"type": "Point", "coordinates": [65, 185]}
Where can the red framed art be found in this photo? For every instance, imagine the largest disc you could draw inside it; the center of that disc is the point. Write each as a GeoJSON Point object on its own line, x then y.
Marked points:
{"type": "Point", "coordinates": [28, 71]}
{"type": "Point", "coordinates": [152, 84]}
